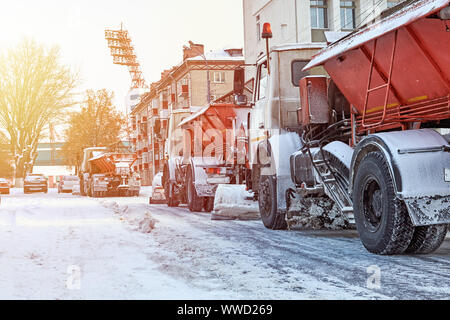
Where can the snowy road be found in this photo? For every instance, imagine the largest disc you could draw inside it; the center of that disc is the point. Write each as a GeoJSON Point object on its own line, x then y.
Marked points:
{"type": "Point", "coordinates": [68, 247]}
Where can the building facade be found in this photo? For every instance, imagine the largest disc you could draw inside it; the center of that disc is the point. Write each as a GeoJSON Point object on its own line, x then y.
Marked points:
{"type": "Point", "coordinates": [200, 78]}
{"type": "Point", "coordinates": [304, 21]}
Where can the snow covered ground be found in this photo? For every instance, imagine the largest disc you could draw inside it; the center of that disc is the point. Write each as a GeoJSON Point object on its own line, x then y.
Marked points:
{"type": "Point", "coordinates": [68, 247]}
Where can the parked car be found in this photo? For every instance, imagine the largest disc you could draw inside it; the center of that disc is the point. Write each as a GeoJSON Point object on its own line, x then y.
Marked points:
{"type": "Point", "coordinates": [158, 196]}
{"type": "Point", "coordinates": [66, 183]}
{"type": "Point", "coordinates": [4, 186]}
{"type": "Point", "coordinates": [34, 183]}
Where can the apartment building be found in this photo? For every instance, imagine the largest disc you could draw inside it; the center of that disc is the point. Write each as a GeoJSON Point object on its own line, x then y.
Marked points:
{"type": "Point", "coordinates": [304, 21]}
{"type": "Point", "coordinates": [200, 78]}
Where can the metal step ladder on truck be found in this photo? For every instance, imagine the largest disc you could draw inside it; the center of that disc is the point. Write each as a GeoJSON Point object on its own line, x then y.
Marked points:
{"type": "Point", "coordinates": [205, 149]}
{"type": "Point", "coordinates": [105, 173]}
{"type": "Point", "coordinates": [373, 135]}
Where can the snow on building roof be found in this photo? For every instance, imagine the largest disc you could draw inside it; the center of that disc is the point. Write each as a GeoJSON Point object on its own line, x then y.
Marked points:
{"type": "Point", "coordinates": [218, 55]}
{"type": "Point", "coordinates": [298, 46]}
{"type": "Point", "coordinates": [403, 17]}
{"type": "Point", "coordinates": [195, 115]}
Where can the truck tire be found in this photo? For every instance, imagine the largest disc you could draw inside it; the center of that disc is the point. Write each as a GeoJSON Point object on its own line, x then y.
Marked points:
{"type": "Point", "coordinates": [171, 200]}
{"type": "Point", "coordinates": [268, 204]}
{"type": "Point", "coordinates": [195, 203]}
{"type": "Point", "coordinates": [208, 204]}
{"type": "Point", "coordinates": [427, 239]}
{"type": "Point", "coordinates": [381, 218]}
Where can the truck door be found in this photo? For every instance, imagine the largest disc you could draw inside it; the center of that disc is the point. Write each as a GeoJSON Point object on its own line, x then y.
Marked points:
{"type": "Point", "coordinates": [260, 97]}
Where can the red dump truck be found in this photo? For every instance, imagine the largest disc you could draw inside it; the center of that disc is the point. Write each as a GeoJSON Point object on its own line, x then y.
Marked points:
{"type": "Point", "coordinates": [371, 133]}
{"type": "Point", "coordinates": [211, 150]}
{"type": "Point", "coordinates": [106, 173]}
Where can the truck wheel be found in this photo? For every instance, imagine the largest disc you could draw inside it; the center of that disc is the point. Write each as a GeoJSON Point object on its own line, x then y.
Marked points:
{"type": "Point", "coordinates": [427, 239]}
{"type": "Point", "coordinates": [195, 202]}
{"type": "Point", "coordinates": [381, 218]}
{"type": "Point", "coordinates": [208, 204]}
{"type": "Point", "coordinates": [268, 204]}
{"type": "Point", "coordinates": [171, 201]}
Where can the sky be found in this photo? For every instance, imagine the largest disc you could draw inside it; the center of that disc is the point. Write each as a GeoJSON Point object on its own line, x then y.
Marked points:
{"type": "Point", "coordinates": [158, 28]}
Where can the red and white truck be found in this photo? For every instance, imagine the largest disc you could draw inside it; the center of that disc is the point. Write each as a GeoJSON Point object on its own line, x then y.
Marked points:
{"type": "Point", "coordinates": [364, 122]}
{"type": "Point", "coordinates": [204, 149]}
{"type": "Point", "coordinates": [105, 173]}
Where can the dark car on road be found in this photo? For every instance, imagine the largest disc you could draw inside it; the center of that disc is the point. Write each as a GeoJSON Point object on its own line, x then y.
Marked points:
{"type": "Point", "coordinates": [4, 186]}
{"type": "Point", "coordinates": [35, 183]}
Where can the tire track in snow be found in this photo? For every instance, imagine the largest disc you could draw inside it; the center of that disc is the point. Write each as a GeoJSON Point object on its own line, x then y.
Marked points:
{"type": "Point", "coordinates": [342, 256]}
{"type": "Point", "coordinates": [293, 269]}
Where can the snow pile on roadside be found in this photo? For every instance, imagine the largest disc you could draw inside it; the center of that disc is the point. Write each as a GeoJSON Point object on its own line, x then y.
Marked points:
{"type": "Point", "coordinates": [231, 202]}
{"type": "Point", "coordinates": [316, 214]}
{"type": "Point", "coordinates": [133, 215]}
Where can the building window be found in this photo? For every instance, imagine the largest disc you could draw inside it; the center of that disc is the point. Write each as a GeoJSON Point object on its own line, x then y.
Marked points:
{"type": "Point", "coordinates": [319, 14]}
{"type": "Point", "coordinates": [219, 77]}
{"type": "Point", "coordinates": [348, 9]}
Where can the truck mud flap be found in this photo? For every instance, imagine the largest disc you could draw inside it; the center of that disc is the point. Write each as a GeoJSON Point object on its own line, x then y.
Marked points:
{"type": "Point", "coordinates": [429, 210]}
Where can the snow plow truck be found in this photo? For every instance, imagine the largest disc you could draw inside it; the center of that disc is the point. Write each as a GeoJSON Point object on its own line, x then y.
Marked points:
{"type": "Point", "coordinates": [105, 173]}
{"type": "Point", "coordinates": [204, 149]}
{"type": "Point", "coordinates": [364, 122]}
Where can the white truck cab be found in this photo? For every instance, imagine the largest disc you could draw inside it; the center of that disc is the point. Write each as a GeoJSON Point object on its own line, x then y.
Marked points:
{"type": "Point", "coordinates": [273, 119]}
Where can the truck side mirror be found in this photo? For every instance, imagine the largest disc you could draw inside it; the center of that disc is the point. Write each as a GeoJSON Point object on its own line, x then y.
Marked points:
{"type": "Point", "coordinates": [238, 84]}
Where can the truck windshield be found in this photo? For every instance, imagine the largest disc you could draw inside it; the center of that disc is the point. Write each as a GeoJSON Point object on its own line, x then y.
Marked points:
{"type": "Point", "coordinates": [262, 81]}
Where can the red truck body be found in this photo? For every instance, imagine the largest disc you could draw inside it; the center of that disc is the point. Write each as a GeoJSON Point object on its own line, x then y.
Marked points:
{"type": "Point", "coordinates": [396, 71]}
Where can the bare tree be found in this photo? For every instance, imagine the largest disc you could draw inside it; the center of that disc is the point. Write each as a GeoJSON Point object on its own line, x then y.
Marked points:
{"type": "Point", "coordinates": [35, 88]}
{"type": "Point", "coordinates": [6, 169]}
{"type": "Point", "coordinates": [98, 124]}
